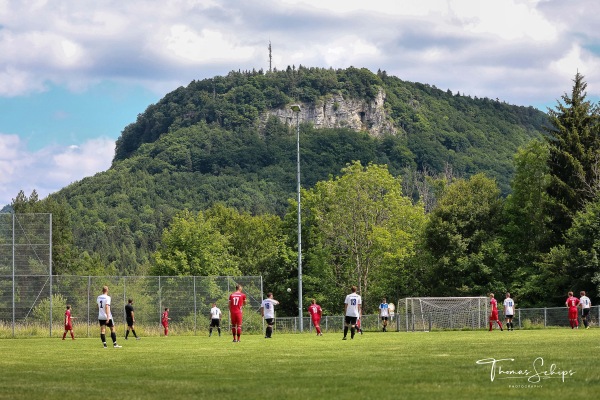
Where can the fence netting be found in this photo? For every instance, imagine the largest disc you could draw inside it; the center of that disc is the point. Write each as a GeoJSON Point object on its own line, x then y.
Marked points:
{"type": "Point", "coordinates": [41, 305]}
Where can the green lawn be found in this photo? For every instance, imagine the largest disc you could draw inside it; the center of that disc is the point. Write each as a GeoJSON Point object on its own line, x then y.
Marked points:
{"type": "Point", "coordinates": [440, 365]}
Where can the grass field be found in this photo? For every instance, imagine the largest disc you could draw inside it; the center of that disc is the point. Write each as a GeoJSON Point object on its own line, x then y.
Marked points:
{"type": "Point", "coordinates": [440, 365]}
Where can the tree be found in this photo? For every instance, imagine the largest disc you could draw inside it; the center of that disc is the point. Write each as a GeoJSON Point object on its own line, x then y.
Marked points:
{"type": "Point", "coordinates": [191, 245]}
{"type": "Point", "coordinates": [363, 228]}
{"type": "Point", "coordinates": [525, 235]}
{"type": "Point", "coordinates": [574, 143]}
{"type": "Point", "coordinates": [256, 244]}
{"type": "Point", "coordinates": [462, 235]}
{"type": "Point", "coordinates": [574, 265]}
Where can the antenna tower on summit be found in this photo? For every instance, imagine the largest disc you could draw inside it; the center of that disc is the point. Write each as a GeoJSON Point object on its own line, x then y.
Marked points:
{"type": "Point", "coordinates": [270, 57]}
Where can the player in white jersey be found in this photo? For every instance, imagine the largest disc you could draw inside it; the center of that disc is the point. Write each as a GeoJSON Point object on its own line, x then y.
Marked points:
{"type": "Point", "coordinates": [215, 319]}
{"type": "Point", "coordinates": [585, 303]}
{"type": "Point", "coordinates": [509, 312]}
{"type": "Point", "coordinates": [384, 313]}
{"type": "Point", "coordinates": [267, 310]}
{"type": "Point", "coordinates": [105, 317]}
{"type": "Point", "coordinates": [352, 311]}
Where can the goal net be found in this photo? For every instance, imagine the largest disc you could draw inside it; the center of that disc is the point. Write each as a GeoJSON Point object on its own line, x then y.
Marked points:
{"type": "Point", "coordinates": [429, 313]}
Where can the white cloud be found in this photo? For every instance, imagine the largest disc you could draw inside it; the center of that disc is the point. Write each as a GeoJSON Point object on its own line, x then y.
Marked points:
{"type": "Point", "coordinates": [486, 48]}
{"type": "Point", "coordinates": [50, 168]}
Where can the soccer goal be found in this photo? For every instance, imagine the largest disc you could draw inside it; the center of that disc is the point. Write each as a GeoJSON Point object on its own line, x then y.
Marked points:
{"type": "Point", "coordinates": [429, 313]}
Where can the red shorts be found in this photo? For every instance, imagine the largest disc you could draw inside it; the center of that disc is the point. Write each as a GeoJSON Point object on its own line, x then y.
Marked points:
{"type": "Point", "coordinates": [316, 321]}
{"type": "Point", "coordinates": [165, 324]}
{"type": "Point", "coordinates": [572, 313]}
{"type": "Point", "coordinates": [494, 316]}
{"type": "Point", "coordinates": [236, 318]}
{"type": "Point", "coordinates": [68, 327]}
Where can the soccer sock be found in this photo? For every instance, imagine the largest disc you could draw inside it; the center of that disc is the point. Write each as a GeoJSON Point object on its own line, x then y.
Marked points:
{"type": "Point", "coordinates": [491, 325]}
{"type": "Point", "coordinates": [113, 336]}
{"type": "Point", "coordinates": [345, 331]}
{"type": "Point", "coordinates": [65, 334]}
{"type": "Point", "coordinates": [352, 332]}
{"type": "Point", "coordinates": [103, 338]}
{"type": "Point", "coordinates": [134, 334]}
{"type": "Point", "coordinates": [318, 330]}
{"type": "Point", "coordinates": [233, 331]}
{"type": "Point", "coordinates": [72, 335]}
{"type": "Point", "coordinates": [166, 331]}
{"type": "Point", "coordinates": [127, 334]}
{"type": "Point", "coordinates": [209, 331]}
{"type": "Point", "coordinates": [500, 325]}
{"type": "Point", "coordinates": [239, 332]}
{"type": "Point", "coordinates": [219, 330]}
{"type": "Point", "coordinates": [269, 331]}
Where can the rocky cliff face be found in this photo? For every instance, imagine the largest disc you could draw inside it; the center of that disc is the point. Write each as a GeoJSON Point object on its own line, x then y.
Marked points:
{"type": "Point", "coordinates": [339, 112]}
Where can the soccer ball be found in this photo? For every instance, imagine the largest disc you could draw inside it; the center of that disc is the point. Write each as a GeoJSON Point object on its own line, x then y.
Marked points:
{"type": "Point", "coordinates": [289, 290]}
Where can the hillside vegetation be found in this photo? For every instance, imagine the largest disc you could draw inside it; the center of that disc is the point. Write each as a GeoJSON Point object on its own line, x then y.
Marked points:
{"type": "Point", "coordinates": [201, 144]}
{"type": "Point", "coordinates": [219, 143]}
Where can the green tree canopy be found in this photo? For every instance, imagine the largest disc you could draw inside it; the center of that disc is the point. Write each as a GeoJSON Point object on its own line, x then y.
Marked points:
{"type": "Point", "coordinates": [462, 235]}
{"type": "Point", "coordinates": [363, 229]}
{"type": "Point", "coordinates": [191, 245]}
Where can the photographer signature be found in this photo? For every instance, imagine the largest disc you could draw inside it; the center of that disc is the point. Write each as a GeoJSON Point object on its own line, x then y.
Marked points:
{"type": "Point", "coordinates": [535, 374]}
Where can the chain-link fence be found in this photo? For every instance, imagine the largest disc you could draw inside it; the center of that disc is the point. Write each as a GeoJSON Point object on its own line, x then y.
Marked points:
{"type": "Point", "coordinates": [25, 265]}
{"type": "Point", "coordinates": [524, 318]}
{"type": "Point", "coordinates": [329, 323]}
{"type": "Point", "coordinates": [189, 299]}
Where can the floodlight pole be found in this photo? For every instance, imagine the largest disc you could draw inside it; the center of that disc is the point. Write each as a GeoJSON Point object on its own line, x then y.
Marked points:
{"type": "Point", "coordinates": [296, 109]}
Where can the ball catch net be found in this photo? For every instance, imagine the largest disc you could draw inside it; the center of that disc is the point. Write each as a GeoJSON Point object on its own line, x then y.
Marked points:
{"type": "Point", "coordinates": [430, 313]}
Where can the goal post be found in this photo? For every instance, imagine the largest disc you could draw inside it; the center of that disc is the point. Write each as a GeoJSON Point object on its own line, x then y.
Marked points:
{"type": "Point", "coordinates": [431, 313]}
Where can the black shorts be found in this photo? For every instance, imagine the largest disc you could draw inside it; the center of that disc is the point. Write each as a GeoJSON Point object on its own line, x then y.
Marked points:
{"type": "Point", "coordinates": [104, 322]}
{"type": "Point", "coordinates": [269, 321]}
{"type": "Point", "coordinates": [508, 316]}
{"type": "Point", "coordinates": [585, 312]}
{"type": "Point", "coordinates": [350, 320]}
{"type": "Point", "coordinates": [384, 318]}
{"type": "Point", "coordinates": [215, 322]}
{"type": "Point", "coordinates": [130, 322]}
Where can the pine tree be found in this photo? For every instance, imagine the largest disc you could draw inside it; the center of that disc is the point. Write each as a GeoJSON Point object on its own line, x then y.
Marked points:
{"type": "Point", "coordinates": [574, 146]}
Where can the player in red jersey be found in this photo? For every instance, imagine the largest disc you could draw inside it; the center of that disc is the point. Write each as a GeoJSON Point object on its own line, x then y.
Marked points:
{"type": "Point", "coordinates": [572, 303]}
{"type": "Point", "coordinates": [164, 320]}
{"type": "Point", "coordinates": [68, 323]}
{"type": "Point", "coordinates": [237, 300]}
{"type": "Point", "coordinates": [316, 312]}
{"type": "Point", "coordinates": [494, 314]}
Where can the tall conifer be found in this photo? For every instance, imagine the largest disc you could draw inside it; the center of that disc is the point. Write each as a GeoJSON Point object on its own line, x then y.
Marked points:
{"type": "Point", "coordinates": [574, 146]}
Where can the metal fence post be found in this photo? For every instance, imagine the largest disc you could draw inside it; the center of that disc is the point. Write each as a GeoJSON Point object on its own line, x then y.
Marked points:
{"type": "Point", "coordinates": [159, 299]}
{"type": "Point", "coordinates": [519, 312]}
{"type": "Point", "coordinates": [13, 276]}
{"type": "Point", "coordinates": [50, 269]}
{"type": "Point", "coordinates": [88, 305]}
{"type": "Point", "coordinates": [124, 302]}
{"type": "Point", "coordinates": [545, 317]}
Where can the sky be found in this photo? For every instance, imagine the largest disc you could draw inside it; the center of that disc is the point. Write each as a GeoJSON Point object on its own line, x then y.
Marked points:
{"type": "Point", "coordinates": [75, 73]}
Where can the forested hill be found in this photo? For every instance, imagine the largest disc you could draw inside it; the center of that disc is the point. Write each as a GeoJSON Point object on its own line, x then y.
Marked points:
{"type": "Point", "coordinates": [231, 139]}
{"type": "Point", "coordinates": [434, 127]}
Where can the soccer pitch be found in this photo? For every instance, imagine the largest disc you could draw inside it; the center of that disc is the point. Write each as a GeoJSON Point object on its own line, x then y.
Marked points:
{"type": "Point", "coordinates": [533, 364]}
